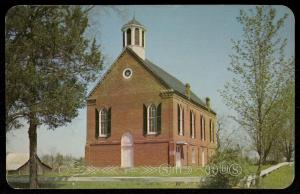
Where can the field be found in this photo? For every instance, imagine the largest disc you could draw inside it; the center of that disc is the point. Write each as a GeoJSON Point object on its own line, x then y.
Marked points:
{"type": "Point", "coordinates": [107, 185]}
{"type": "Point", "coordinates": [118, 172]}
{"type": "Point", "coordinates": [279, 179]}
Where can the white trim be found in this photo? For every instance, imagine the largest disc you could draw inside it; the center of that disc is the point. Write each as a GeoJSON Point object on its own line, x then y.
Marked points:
{"type": "Point", "coordinates": [131, 72]}
{"type": "Point", "coordinates": [140, 37]}
{"type": "Point", "coordinates": [151, 133]}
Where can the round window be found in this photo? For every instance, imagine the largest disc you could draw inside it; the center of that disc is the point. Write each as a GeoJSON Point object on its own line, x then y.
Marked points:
{"type": "Point", "coordinates": [127, 73]}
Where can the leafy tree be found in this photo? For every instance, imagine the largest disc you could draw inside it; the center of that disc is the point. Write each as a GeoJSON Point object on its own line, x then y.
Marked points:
{"type": "Point", "coordinates": [48, 63]}
{"type": "Point", "coordinates": [59, 161]}
{"type": "Point", "coordinates": [286, 135]}
{"type": "Point", "coordinates": [260, 71]}
{"type": "Point", "coordinates": [225, 169]}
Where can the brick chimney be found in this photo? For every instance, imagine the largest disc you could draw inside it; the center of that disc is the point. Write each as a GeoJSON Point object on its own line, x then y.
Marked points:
{"type": "Point", "coordinates": [207, 100]}
{"type": "Point", "coordinates": [188, 90]}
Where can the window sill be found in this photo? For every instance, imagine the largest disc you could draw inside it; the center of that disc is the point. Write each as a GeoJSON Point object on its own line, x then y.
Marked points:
{"type": "Point", "coordinates": [151, 133]}
{"type": "Point", "coordinates": [102, 136]}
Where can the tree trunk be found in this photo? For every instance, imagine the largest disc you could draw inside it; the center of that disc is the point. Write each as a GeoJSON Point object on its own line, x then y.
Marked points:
{"type": "Point", "coordinates": [257, 179]}
{"type": "Point", "coordinates": [264, 159]}
{"type": "Point", "coordinates": [289, 152]}
{"type": "Point", "coordinates": [33, 181]}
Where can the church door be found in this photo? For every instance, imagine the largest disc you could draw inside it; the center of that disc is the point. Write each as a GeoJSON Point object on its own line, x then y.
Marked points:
{"type": "Point", "coordinates": [202, 157]}
{"type": "Point", "coordinates": [127, 150]}
{"type": "Point", "coordinates": [178, 155]}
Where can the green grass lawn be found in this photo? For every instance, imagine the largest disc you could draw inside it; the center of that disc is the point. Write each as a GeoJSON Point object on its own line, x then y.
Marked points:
{"type": "Point", "coordinates": [279, 179]}
{"type": "Point", "coordinates": [107, 185]}
{"type": "Point", "coordinates": [134, 172]}
{"type": "Point", "coordinates": [251, 169]}
{"type": "Point", "coordinates": [141, 172]}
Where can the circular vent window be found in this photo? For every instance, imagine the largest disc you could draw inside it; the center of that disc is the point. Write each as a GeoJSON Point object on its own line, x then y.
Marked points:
{"type": "Point", "coordinates": [127, 73]}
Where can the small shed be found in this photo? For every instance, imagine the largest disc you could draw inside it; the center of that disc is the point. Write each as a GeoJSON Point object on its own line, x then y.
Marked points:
{"type": "Point", "coordinates": [18, 163]}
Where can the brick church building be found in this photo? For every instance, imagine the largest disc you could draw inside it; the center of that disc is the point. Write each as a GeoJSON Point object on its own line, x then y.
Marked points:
{"type": "Point", "coordinates": [138, 114]}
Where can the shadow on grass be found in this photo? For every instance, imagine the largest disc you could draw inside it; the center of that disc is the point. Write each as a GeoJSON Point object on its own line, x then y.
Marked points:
{"type": "Point", "coordinates": [16, 185]}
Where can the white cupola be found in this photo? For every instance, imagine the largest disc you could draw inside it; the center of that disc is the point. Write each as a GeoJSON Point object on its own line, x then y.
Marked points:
{"type": "Point", "coordinates": [134, 35]}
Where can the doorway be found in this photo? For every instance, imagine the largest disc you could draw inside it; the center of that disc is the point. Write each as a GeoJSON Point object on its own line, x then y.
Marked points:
{"type": "Point", "coordinates": [127, 150]}
{"type": "Point", "coordinates": [202, 157]}
{"type": "Point", "coordinates": [179, 155]}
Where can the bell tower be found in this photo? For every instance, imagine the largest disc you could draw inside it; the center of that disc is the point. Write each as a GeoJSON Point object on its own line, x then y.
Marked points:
{"type": "Point", "coordinates": [134, 34]}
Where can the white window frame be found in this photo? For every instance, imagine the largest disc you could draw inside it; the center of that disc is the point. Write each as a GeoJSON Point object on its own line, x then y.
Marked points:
{"type": "Point", "coordinates": [180, 120]}
{"type": "Point", "coordinates": [100, 123]}
{"type": "Point", "coordinates": [202, 127]}
{"type": "Point", "coordinates": [127, 69]}
{"type": "Point", "coordinates": [148, 120]}
{"type": "Point", "coordinates": [193, 125]}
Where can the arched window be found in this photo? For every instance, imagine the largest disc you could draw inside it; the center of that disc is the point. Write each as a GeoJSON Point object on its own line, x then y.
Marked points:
{"type": "Point", "coordinates": [213, 132]}
{"type": "Point", "coordinates": [103, 120]}
{"type": "Point", "coordinates": [143, 41]}
{"type": "Point", "coordinates": [203, 128]}
{"type": "Point", "coordinates": [123, 39]}
{"type": "Point", "coordinates": [210, 130]}
{"type": "Point", "coordinates": [180, 120]}
{"type": "Point", "coordinates": [128, 34]}
{"type": "Point", "coordinates": [152, 115]}
{"type": "Point", "coordinates": [192, 124]}
{"type": "Point", "coordinates": [137, 36]}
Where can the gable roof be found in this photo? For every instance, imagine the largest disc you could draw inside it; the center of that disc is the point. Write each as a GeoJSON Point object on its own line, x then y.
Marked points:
{"type": "Point", "coordinates": [14, 161]}
{"type": "Point", "coordinates": [164, 77]}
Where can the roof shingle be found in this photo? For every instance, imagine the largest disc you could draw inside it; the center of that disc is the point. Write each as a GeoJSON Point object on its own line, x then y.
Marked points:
{"type": "Point", "coordinates": [172, 82]}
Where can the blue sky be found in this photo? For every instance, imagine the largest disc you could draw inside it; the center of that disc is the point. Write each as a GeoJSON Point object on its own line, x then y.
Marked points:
{"type": "Point", "coordinates": [190, 42]}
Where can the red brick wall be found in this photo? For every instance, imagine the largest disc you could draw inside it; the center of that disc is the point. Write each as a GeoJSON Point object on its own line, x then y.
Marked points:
{"type": "Point", "coordinates": [126, 99]}
{"type": "Point", "coordinates": [192, 142]}
{"type": "Point", "coordinates": [105, 155]}
{"type": "Point", "coordinates": [153, 154]}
